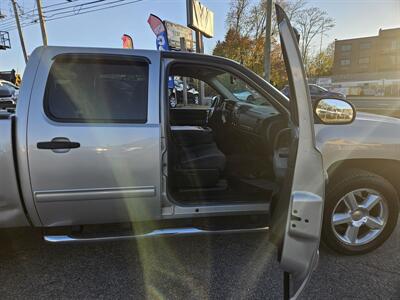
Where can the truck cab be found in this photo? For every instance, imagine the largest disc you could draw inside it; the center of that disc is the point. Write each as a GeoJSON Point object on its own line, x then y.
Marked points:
{"type": "Point", "coordinates": [95, 142]}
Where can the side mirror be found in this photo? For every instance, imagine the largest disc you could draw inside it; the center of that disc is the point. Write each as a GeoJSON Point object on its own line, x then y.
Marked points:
{"type": "Point", "coordinates": [335, 111]}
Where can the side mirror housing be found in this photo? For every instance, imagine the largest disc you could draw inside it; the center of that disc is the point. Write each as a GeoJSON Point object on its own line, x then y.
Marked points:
{"type": "Point", "coordinates": [334, 111]}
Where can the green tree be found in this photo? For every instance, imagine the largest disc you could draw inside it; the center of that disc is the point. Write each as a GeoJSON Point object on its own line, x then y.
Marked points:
{"type": "Point", "coordinates": [321, 64]}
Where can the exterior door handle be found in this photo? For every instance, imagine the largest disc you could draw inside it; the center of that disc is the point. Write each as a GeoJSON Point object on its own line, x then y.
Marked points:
{"type": "Point", "coordinates": [58, 144]}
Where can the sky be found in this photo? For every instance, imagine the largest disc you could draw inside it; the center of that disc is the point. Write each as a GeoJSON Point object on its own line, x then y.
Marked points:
{"type": "Point", "coordinates": [354, 18]}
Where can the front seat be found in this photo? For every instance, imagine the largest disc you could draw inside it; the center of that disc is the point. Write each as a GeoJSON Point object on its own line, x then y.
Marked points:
{"type": "Point", "coordinates": [198, 161]}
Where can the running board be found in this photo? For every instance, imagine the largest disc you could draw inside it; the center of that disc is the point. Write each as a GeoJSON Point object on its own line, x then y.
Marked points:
{"type": "Point", "coordinates": [190, 231]}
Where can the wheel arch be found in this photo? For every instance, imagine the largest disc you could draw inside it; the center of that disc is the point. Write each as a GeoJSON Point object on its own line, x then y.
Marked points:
{"type": "Point", "coordinates": [387, 168]}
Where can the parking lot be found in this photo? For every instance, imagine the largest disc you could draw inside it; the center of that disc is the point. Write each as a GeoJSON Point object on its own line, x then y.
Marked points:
{"type": "Point", "coordinates": [214, 267]}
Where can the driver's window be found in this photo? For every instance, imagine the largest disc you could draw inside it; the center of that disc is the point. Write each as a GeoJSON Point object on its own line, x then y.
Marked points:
{"type": "Point", "coordinates": [194, 89]}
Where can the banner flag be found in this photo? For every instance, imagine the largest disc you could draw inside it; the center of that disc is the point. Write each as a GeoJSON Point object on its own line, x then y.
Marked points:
{"type": "Point", "coordinates": [159, 30]}
{"type": "Point", "coordinates": [127, 42]}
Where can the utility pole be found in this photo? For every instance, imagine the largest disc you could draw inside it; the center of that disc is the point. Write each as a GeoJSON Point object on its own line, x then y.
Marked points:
{"type": "Point", "coordinates": [199, 42]}
{"type": "Point", "coordinates": [322, 36]}
{"type": "Point", "coordinates": [267, 44]}
{"type": "Point", "coordinates": [41, 19]}
{"type": "Point", "coordinates": [184, 80]}
{"type": "Point", "coordinates": [200, 49]}
{"type": "Point", "coordinates": [21, 37]}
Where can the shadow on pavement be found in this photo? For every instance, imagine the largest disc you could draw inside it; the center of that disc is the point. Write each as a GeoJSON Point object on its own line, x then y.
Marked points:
{"type": "Point", "coordinates": [241, 266]}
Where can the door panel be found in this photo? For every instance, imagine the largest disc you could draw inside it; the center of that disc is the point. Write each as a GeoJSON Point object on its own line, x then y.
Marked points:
{"type": "Point", "coordinates": [109, 169]}
{"type": "Point", "coordinates": [298, 217]}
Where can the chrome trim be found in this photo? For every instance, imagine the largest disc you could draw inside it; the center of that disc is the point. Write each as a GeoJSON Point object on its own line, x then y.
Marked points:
{"type": "Point", "coordinates": [95, 194]}
{"type": "Point", "coordinates": [189, 231]}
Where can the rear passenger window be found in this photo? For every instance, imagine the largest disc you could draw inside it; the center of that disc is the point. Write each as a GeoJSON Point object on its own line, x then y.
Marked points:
{"type": "Point", "coordinates": [95, 90]}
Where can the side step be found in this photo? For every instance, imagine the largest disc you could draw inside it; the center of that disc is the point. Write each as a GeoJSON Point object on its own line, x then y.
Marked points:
{"type": "Point", "coordinates": [188, 231]}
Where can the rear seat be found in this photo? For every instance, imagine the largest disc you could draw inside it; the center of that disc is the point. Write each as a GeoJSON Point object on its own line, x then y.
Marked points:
{"type": "Point", "coordinates": [192, 135]}
{"type": "Point", "coordinates": [198, 161]}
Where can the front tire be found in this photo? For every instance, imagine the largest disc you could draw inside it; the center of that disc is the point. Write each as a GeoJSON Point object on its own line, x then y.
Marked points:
{"type": "Point", "coordinates": [361, 211]}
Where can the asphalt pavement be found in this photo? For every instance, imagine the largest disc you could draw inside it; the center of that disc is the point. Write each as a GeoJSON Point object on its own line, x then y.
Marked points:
{"type": "Point", "coordinates": [239, 266]}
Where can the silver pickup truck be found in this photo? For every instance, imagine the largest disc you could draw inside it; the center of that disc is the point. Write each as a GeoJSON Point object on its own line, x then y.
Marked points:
{"type": "Point", "coordinates": [94, 152]}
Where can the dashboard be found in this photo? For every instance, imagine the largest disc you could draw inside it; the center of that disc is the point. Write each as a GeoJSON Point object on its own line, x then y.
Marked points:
{"type": "Point", "coordinates": [262, 122]}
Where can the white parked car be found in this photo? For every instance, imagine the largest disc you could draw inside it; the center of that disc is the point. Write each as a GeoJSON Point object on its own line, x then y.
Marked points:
{"type": "Point", "coordinates": [8, 94]}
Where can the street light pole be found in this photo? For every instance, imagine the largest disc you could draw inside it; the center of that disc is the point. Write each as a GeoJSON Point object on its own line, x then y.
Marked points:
{"type": "Point", "coordinates": [41, 20]}
{"type": "Point", "coordinates": [267, 44]}
{"type": "Point", "coordinates": [21, 37]}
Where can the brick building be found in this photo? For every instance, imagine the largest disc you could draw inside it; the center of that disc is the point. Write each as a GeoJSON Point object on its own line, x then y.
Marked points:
{"type": "Point", "coordinates": [368, 58]}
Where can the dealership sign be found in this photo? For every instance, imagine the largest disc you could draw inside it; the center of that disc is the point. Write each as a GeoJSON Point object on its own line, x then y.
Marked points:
{"type": "Point", "coordinates": [200, 18]}
{"type": "Point", "coordinates": [175, 32]}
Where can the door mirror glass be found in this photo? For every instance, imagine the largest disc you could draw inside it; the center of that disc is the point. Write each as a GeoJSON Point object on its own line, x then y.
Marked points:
{"type": "Point", "coordinates": [334, 111]}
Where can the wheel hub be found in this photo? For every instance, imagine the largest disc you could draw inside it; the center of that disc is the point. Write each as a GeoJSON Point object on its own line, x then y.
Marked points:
{"type": "Point", "coordinates": [357, 215]}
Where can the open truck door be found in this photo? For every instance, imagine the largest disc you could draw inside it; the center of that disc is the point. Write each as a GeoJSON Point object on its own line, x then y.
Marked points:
{"type": "Point", "coordinates": [297, 217]}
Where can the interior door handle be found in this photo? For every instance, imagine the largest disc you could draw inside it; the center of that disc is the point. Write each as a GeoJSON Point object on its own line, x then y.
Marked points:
{"type": "Point", "coordinates": [58, 144]}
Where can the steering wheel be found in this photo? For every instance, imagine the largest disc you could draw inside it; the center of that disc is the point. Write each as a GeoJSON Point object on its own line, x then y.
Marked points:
{"type": "Point", "coordinates": [214, 104]}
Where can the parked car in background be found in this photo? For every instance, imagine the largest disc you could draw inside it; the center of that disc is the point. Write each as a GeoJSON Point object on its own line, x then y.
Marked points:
{"type": "Point", "coordinates": [8, 94]}
{"type": "Point", "coordinates": [11, 76]}
{"type": "Point", "coordinates": [176, 97]}
{"type": "Point", "coordinates": [243, 95]}
{"type": "Point", "coordinates": [317, 92]}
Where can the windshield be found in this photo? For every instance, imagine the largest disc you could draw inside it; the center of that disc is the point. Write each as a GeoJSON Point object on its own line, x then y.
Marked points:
{"type": "Point", "coordinates": [240, 90]}
{"type": "Point", "coordinates": [319, 87]}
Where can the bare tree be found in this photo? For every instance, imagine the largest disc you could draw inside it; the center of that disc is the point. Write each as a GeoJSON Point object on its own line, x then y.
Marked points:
{"type": "Point", "coordinates": [246, 24]}
{"type": "Point", "coordinates": [250, 19]}
{"type": "Point", "coordinates": [258, 14]}
{"type": "Point", "coordinates": [293, 8]}
{"type": "Point", "coordinates": [258, 18]}
{"type": "Point", "coordinates": [238, 15]}
{"type": "Point", "coordinates": [311, 22]}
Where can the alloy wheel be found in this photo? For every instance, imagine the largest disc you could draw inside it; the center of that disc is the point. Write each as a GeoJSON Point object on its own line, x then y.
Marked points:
{"type": "Point", "coordinates": [359, 217]}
